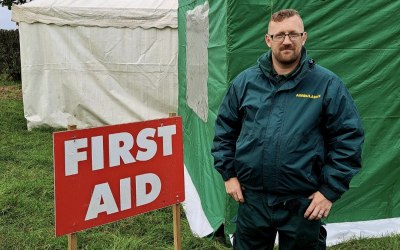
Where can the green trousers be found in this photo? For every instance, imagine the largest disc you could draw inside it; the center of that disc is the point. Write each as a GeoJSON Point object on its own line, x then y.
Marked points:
{"type": "Point", "coordinates": [258, 224]}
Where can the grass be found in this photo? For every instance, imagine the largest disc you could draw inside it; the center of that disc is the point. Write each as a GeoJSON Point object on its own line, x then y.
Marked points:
{"type": "Point", "coordinates": [27, 198]}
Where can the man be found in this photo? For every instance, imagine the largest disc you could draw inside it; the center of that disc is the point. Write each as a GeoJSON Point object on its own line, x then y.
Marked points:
{"type": "Point", "coordinates": [287, 142]}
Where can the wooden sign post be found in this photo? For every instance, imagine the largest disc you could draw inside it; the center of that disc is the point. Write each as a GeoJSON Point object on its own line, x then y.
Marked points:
{"type": "Point", "coordinates": [72, 241]}
{"type": "Point", "coordinates": [176, 214]}
{"type": "Point", "coordinates": [72, 238]}
{"type": "Point", "coordinates": [176, 211]}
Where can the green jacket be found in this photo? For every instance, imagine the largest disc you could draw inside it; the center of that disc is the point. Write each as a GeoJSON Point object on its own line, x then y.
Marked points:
{"type": "Point", "coordinates": [291, 141]}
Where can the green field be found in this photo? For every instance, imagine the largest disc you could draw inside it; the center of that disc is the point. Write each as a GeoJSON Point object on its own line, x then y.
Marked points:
{"type": "Point", "coordinates": [27, 198]}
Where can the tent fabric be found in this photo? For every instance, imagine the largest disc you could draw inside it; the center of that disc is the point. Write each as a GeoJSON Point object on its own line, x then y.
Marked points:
{"type": "Point", "coordinates": [92, 75]}
{"type": "Point", "coordinates": [128, 14]}
{"type": "Point", "coordinates": [197, 219]}
{"type": "Point", "coordinates": [343, 231]}
{"type": "Point", "coordinates": [354, 40]}
{"type": "Point", "coordinates": [197, 60]}
{"type": "Point", "coordinates": [198, 133]}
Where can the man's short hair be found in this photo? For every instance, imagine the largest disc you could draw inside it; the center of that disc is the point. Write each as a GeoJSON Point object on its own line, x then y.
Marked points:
{"type": "Point", "coordinates": [279, 16]}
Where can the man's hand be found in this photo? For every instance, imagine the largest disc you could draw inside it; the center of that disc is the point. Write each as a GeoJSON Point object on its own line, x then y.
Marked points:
{"type": "Point", "coordinates": [319, 207]}
{"type": "Point", "coordinates": [234, 189]}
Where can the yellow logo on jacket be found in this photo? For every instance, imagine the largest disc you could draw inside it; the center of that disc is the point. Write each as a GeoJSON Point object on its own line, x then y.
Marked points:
{"type": "Point", "coordinates": [308, 96]}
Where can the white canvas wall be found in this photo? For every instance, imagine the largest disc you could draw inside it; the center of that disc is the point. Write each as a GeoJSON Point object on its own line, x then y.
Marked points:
{"type": "Point", "coordinates": [96, 75]}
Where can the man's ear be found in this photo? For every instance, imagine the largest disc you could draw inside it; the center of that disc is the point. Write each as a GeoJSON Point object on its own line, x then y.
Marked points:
{"type": "Point", "coordinates": [268, 40]}
{"type": "Point", "coordinates": [304, 38]}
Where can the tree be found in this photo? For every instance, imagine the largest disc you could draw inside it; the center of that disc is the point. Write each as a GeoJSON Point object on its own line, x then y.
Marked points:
{"type": "Point", "coordinates": [10, 64]}
{"type": "Point", "coordinates": [9, 3]}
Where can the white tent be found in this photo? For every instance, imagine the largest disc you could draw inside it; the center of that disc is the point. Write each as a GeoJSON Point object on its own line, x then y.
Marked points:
{"type": "Point", "coordinates": [93, 63]}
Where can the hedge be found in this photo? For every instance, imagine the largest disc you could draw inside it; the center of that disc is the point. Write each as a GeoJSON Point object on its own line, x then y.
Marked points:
{"type": "Point", "coordinates": [10, 62]}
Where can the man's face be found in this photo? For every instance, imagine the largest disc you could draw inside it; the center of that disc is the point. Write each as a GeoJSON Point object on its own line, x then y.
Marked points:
{"type": "Point", "coordinates": [286, 52]}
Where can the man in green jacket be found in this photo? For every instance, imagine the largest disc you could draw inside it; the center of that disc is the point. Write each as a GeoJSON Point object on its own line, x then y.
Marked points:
{"type": "Point", "coordinates": [287, 142]}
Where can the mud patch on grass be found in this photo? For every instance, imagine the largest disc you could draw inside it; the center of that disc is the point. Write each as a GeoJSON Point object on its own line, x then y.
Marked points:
{"type": "Point", "coordinates": [13, 92]}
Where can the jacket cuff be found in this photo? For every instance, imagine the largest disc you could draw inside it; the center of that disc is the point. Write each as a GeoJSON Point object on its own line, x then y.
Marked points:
{"type": "Point", "coordinates": [227, 175]}
{"type": "Point", "coordinates": [329, 193]}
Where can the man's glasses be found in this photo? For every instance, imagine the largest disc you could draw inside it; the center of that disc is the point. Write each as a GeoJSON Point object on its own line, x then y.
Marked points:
{"type": "Point", "coordinates": [281, 36]}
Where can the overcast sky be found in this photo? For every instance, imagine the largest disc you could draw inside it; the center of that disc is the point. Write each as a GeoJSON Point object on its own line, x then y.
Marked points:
{"type": "Point", "coordinates": [5, 19]}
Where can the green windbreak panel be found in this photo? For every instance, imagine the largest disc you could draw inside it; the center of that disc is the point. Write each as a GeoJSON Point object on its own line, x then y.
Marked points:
{"type": "Point", "coordinates": [247, 25]}
{"type": "Point", "coordinates": [356, 40]}
{"type": "Point", "coordinates": [198, 134]}
{"type": "Point", "coordinates": [357, 45]}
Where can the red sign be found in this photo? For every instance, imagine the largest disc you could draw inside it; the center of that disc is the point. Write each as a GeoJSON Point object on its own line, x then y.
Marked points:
{"type": "Point", "coordinates": [109, 173]}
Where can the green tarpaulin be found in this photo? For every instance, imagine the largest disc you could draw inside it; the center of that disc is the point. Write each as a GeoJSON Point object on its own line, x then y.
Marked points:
{"type": "Point", "coordinates": [358, 40]}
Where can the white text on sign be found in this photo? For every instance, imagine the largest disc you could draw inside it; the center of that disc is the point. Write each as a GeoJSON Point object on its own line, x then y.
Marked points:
{"type": "Point", "coordinates": [120, 145]}
{"type": "Point", "coordinates": [109, 173]}
{"type": "Point", "coordinates": [103, 200]}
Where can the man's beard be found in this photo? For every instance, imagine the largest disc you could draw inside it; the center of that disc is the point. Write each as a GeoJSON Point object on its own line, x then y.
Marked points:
{"type": "Point", "coordinates": [284, 59]}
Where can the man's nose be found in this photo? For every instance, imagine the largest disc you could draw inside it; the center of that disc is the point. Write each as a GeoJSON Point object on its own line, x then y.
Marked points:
{"type": "Point", "coordinates": [287, 40]}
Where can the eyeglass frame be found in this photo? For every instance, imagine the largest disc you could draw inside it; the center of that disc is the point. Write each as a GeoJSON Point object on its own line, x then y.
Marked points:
{"type": "Point", "coordinates": [286, 34]}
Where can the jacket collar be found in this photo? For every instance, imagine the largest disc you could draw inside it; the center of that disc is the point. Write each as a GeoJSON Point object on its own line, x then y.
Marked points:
{"type": "Point", "coordinates": [305, 65]}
